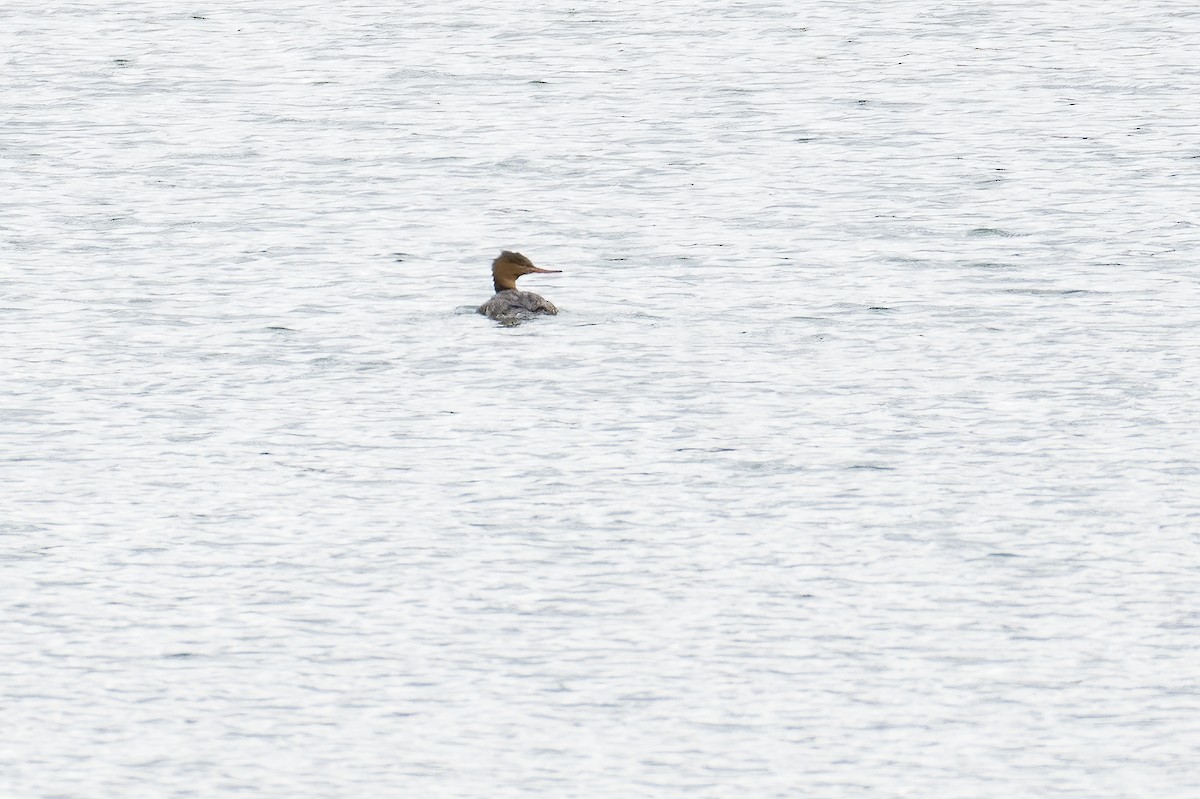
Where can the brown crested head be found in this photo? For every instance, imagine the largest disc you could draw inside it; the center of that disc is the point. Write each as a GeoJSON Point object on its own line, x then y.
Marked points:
{"type": "Point", "coordinates": [509, 266]}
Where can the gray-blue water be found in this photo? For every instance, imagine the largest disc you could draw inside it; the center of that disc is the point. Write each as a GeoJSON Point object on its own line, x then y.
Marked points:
{"type": "Point", "coordinates": [860, 462]}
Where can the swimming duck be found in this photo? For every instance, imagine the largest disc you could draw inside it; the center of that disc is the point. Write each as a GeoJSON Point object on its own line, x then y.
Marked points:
{"type": "Point", "coordinates": [509, 304]}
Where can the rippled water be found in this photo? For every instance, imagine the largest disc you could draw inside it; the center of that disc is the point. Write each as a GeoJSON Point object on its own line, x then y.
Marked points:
{"type": "Point", "coordinates": [861, 460]}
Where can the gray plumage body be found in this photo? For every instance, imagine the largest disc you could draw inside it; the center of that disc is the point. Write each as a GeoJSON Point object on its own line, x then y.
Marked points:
{"type": "Point", "coordinates": [514, 304]}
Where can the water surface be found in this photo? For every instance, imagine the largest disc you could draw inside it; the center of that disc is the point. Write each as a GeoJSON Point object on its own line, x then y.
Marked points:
{"type": "Point", "coordinates": [860, 461]}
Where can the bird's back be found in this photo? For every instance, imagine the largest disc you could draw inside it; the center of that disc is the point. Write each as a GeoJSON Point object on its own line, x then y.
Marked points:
{"type": "Point", "coordinates": [511, 303]}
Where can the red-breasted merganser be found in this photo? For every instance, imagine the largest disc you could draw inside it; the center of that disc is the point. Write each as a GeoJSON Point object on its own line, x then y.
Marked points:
{"type": "Point", "coordinates": [509, 304]}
